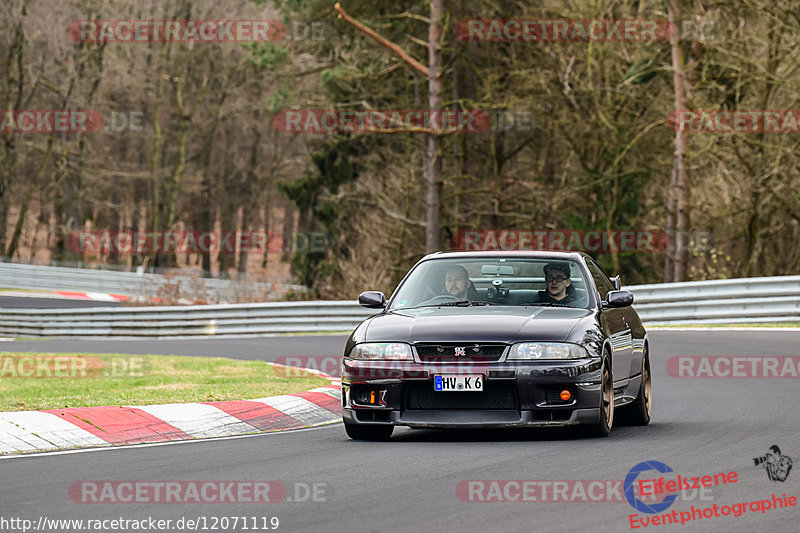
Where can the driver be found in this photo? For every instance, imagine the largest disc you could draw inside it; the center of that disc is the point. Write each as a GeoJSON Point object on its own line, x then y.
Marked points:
{"type": "Point", "coordinates": [559, 285]}
{"type": "Point", "coordinates": [458, 284]}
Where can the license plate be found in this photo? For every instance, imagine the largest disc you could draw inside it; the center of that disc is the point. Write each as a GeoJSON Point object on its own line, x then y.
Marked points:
{"type": "Point", "coordinates": [473, 383]}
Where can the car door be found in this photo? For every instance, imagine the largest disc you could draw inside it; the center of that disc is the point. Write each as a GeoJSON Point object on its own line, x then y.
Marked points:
{"type": "Point", "coordinates": [617, 326]}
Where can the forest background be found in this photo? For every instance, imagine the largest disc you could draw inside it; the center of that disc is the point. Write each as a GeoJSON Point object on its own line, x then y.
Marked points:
{"type": "Point", "coordinates": [580, 138]}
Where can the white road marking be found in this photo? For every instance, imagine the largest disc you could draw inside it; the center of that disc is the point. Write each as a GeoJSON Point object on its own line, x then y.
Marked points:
{"type": "Point", "coordinates": [199, 420]}
{"type": "Point", "coordinates": [333, 393]}
{"type": "Point", "coordinates": [169, 443]}
{"type": "Point", "coordinates": [303, 410]}
{"type": "Point", "coordinates": [36, 430]}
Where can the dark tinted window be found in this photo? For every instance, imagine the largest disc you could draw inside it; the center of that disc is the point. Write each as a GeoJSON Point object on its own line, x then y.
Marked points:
{"type": "Point", "coordinates": [600, 279]}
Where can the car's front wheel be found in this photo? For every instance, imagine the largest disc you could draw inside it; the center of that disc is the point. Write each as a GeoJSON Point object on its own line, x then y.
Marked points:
{"type": "Point", "coordinates": [638, 412]}
{"type": "Point", "coordinates": [358, 432]}
{"type": "Point", "coordinates": [603, 427]}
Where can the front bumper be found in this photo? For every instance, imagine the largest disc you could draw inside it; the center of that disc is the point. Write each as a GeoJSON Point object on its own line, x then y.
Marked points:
{"type": "Point", "coordinates": [516, 394]}
{"type": "Point", "coordinates": [473, 418]}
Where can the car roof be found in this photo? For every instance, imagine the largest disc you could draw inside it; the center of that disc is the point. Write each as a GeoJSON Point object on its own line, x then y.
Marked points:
{"type": "Point", "coordinates": [515, 254]}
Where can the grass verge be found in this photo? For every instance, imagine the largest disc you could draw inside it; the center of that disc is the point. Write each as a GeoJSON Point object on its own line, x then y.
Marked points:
{"type": "Point", "coordinates": [31, 381]}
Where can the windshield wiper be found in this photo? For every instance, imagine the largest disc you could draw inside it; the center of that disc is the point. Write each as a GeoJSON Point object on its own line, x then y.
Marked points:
{"type": "Point", "coordinates": [464, 303]}
{"type": "Point", "coordinates": [545, 304]}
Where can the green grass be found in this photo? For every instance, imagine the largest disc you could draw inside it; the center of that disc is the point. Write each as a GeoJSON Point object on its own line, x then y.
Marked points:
{"type": "Point", "coordinates": [85, 380]}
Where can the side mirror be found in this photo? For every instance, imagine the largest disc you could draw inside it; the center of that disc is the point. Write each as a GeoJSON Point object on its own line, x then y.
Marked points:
{"type": "Point", "coordinates": [618, 299]}
{"type": "Point", "coordinates": [617, 281]}
{"type": "Point", "coordinates": [372, 299]}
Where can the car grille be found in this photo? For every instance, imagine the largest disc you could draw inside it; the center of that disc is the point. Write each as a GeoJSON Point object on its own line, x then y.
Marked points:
{"type": "Point", "coordinates": [495, 395]}
{"type": "Point", "coordinates": [454, 351]}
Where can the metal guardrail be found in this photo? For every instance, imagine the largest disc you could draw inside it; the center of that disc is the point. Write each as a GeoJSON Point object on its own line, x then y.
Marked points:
{"type": "Point", "coordinates": [751, 300]}
{"type": "Point", "coordinates": [203, 320]}
{"type": "Point", "coordinates": [725, 301]}
{"type": "Point", "coordinates": [143, 286]}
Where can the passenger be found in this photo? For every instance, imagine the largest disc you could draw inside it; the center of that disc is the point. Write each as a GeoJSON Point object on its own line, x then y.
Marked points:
{"type": "Point", "coordinates": [559, 285]}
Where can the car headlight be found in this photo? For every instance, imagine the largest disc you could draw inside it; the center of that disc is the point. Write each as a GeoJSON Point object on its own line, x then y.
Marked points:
{"type": "Point", "coordinates": [547, 350]}
{"type": "Point", "coordinates": [397, 351]}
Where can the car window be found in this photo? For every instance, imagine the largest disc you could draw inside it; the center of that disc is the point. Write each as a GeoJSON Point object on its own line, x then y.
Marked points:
{"type": "Point", "coordinates": [492, 281]}
{"type": "Point", "coordinates": [600, 279]}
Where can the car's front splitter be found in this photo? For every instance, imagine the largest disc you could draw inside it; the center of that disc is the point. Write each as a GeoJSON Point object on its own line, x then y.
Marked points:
{"type": "Point", "coordinates": [434, 418]}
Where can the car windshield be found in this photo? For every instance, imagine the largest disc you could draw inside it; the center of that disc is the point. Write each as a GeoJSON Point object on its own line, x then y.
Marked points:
{"type": "Point", "coordinates": [493, 281]}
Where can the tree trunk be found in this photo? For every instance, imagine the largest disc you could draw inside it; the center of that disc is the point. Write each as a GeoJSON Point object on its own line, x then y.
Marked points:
{"type": "Point", "coordinates": [680, 190]}
{"type": "Point", "coordinates": [253, 194]}
{"type": "Point", "coordinates": [23, 208]}
{"type": "Point", "coordinates": [13, 86]}
{"type": "Point", "coordinates": [433, 164]}
{"type": "Point", "coordinates": [155, 170]}
{"type": "Point", "coordinates": [669, 255]}
{"type": "Point", "coordinates": [206, 217]}
{"type": "Point", "coordinates": [226, 207]}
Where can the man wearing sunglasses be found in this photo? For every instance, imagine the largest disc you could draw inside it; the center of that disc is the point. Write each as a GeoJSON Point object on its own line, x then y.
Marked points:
{"type": "Point", "coordinates": [559, 285]}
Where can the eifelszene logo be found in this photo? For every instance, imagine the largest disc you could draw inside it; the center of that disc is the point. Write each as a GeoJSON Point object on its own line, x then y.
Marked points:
{"type": "Point", "coordinates": [672, 489]}
{"type": "Point", "coordinates": [629, 486]}
{"type": "Point", "coordinates": [777, 466]}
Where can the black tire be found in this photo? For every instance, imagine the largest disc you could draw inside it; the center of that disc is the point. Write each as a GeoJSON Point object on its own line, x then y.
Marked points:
{"type": "Point", "coordinates": [357, 432]}
{"type": "Point", "coordinates": [638, 412]}
{"type": "Point", "coordinates": [603, 427]}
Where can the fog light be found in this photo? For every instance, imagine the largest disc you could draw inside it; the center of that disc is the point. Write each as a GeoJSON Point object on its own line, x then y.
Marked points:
{"type": "Point", "coordinates": [362, 396]}
{"type": "Point", "coordinates": [565, 395]}
{"type": "Point", "coordinates": [369, 397]}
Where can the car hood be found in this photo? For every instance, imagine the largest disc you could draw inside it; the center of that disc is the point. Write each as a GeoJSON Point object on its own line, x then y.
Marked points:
{"type": "Point", "coordinates": [481, 323]}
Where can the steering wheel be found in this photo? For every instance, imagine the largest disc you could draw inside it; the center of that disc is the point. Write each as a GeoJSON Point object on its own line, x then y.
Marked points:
{"type": "Point", "coordinates": [441, 299]}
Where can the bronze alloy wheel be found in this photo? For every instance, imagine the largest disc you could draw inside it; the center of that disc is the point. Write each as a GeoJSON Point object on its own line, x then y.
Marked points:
{"type": "Point", "coordinates": [637, 413]}
{"type": "Point", "coordinates": [606, 419]}
{"type": "Point", "coordinates": [647, 385]}
{"type": "Point", "coordinates": [608, 395]}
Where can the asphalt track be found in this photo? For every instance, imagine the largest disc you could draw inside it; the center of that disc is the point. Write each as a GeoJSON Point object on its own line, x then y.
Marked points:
{"type": "Point", "coordinates": [699, 427]}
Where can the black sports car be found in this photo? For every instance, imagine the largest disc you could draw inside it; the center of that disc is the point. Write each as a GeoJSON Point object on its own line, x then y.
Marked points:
{"type": "Point", "coordinates": [498, 339]}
